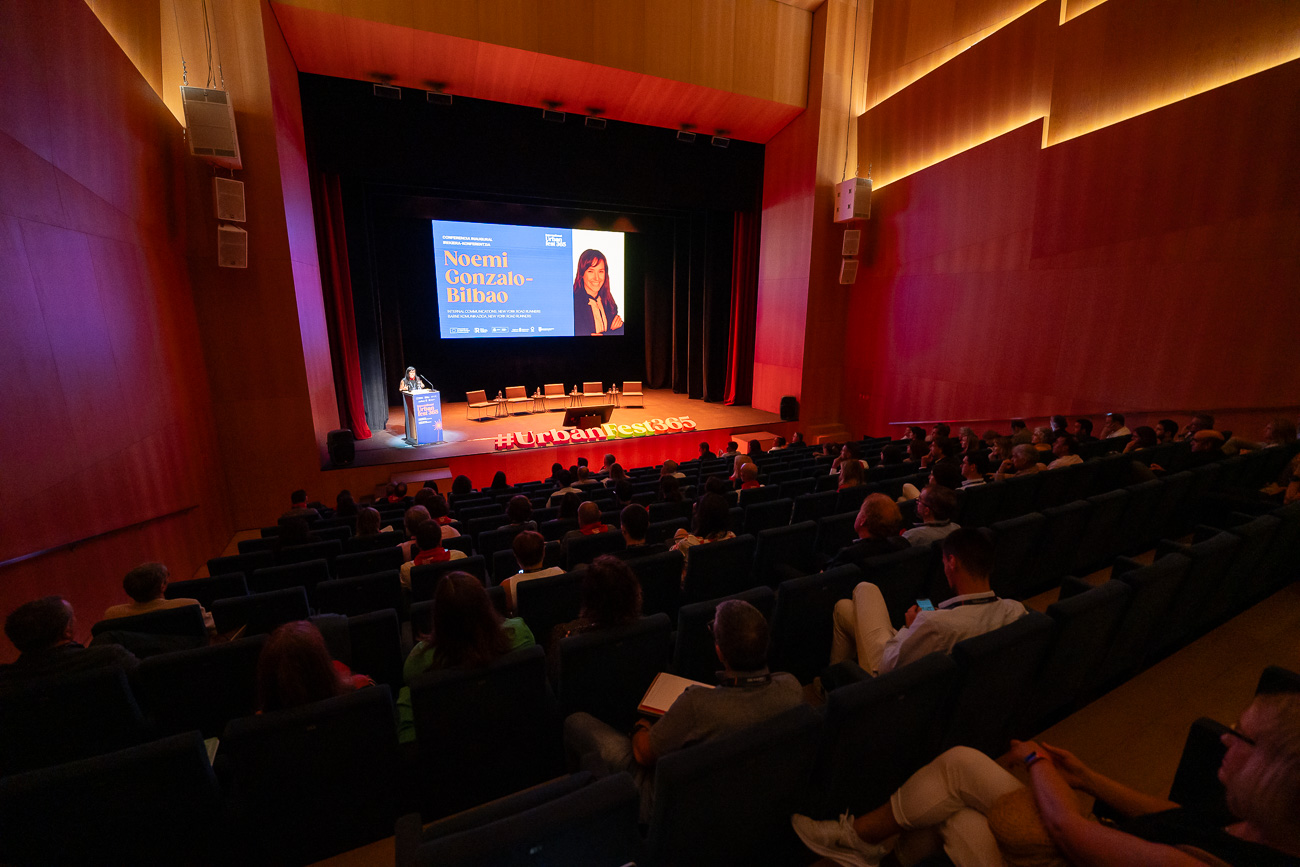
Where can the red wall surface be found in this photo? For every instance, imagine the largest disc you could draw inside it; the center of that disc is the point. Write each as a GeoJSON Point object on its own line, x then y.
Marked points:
{"type": "Point", "coordinates": [1153, 263]}
{"type": "Point", "coordinates": [106, 420]}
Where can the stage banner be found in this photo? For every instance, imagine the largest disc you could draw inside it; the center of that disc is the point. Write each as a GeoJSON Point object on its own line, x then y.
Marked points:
{"type": "Point", "coordinates": [608, 431]}
{"type": "Point", "coordinates": [425, 407]}
{"type": "Point", "coordinates": [497, 280]}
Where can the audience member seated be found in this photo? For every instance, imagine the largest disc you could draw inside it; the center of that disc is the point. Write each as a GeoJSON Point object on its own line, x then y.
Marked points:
{"type": "Point", "coordinates": [940, 447]}
{"type": "Point", "coordinates": [428, 537]}
{"type": "Point", "coordinates": [611, 597]}
{"type": "Point", "coordinates": [1020, 433]}
{"type": "Point", "coordinates": [945, 473]}
{"type": "Point", "coordinates": [1207, 447]}
{"type": "Point", "coordinates": [974, 470]}
{"type": "Point", "coordinates": [940, 429]}
{"type": "Point", "coordinates": [777, 444]}
{"type": "Point", "coordinates": [733, 449]}
{"type": "Point", "coordinates": [1082, 431]}
{"type": "Point", "coordinates": [467, 632]}
{"type": "Point", "coordinates": [913, 433]}
{"type": "Point", "coordinates": [669, 490]}
{"type": "Point", "coordinates": [607, 463]}
{"type": "Point", "coordinates": [1167, 430]}
{"type": "Point", "coordinates": [565, 482]}
{"type": "Point", "coordinates": [879, 526]}
{"type": "Point", "coordinates": [368, 521]}
{"type": "Point", "coordinates": [712, 524]}
{"type": "Point", "coordinates": [437, 507]}
{"type": "Point", "coordinates": [1023, 462]}
{"type": "Point", "coordinates": [295, 668]}
{"type": "Point", "coordinates": [706, 453]}
{"type": "Point", "coordinates": [1000, 450]}
{"type": "Point", "coordinates": [411, 521]}
{"type": "Point", "coordinates": [969, 441]}
{"type": "Point", "coordinates": [583, 478]}
{"type": "Point", "coordinates": [1201, 421]}
{"type": "Point", "coordinates": [935, 507]}
{"type": "Point", "coordinates": [1291, 490]}
{"type": "Point", "coordinates": [1114, 426]}
{"type": "Point", "coordinates": [615, 474]}
{"type": "Point", "coordinates": [530, 554]}
{"type": "Point", "coordinates": [298, 507]}
{"type": "Point", "coordinates": [1278, 432]}
{"type": "Point", "coordinates": [1042, 440]}
{"type": "Point", "coordinates": [589, 524]}
{"type": "Point", "coordinates": [749, 477]}
{"type": "Point", "coordinates": [145, 585]}
{"type": "Point", "coordinates": [634, 521]}
{"type": "Point", "coordinates": [554, 478]}
{"type": "Point", "coordinates": [344, 505]}
{"type": "Point", "coordinates": [746, 695]}
{"type": "Point", "coordinates": [1058, 425]}
{"type": "Point", "coordinates": [1143, 438]}
{"type": "Point", "coordinates": [797, 439]}
{"type": "Point", "coordinates": [1066, 450]}
{"type": "Point", "coordinates": [461, 485]}
{"type": "Point", "coordinates": [671, 469]}
{"type": "Point", "coordinates": [968, 803]}
{"type": "Point", "coordinates": [43, 631]}
{"type": "Point", "coordinates": [519, 514]}
{"type": "Point", "coordinates": [294, 531]}
{"type": "Point", "coordinates": [862, 629]}
{"type": "Point", "coordinates": [917, 449]}
{"type": "Point", "coordinates": [624, 492]}
{"type": "Point", "coordinates": [892, 454]}
{"type": "Point", "coordinates": [851, 475]}
{"type": "Point", "coordinates": [499, 482]}
{"type": "Point", "coordinates": [848, 454]}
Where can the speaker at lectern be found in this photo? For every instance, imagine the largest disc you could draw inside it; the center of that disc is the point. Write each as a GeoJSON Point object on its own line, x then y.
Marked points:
{"type": "Point", "coordinates": [423, 416]}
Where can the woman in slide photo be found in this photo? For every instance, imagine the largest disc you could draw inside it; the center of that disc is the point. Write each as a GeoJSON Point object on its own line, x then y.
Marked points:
{"type": "Point", "coordinates": [594, 310]}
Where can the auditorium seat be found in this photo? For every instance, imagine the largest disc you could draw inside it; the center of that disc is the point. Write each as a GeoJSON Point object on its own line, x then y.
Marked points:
{"type": "Point", "coordinates": [182, 623]}
{"type": "Point", "coordinates": [850, 499]}
{"type": "Point", "coordinates": [632, 393]}
{"type": "Point", "coordinates": [878, 732]}
{"type": "Point", "coordinates": [1247, 580]}
{"type": "Point", "coordinates": [1015, 544]}
{"type": "Point", "coordinates": [767, 515]}
{"type": "Point", "coordinates": [251, 546]}
{"type": "Point", "coordinates": [1063, 528]}
{"type": "Point", "coordinates": [546, 602]}
{"type": "Point", "coordinates": [693, 650]}
{"type": "Point", "coordinates": [570, 820]}
{"type": "Point", "coordinates": [90, 811]}
{"type": "Point", "coordinates": [664, 531]}
{"type": "Point", "coordinates": [995, 676]}
{"type": "Point", "coordinates": [357, 544]}
{"type": "Point", "coordinates": [202, 689]}
{"type": "Point", "coordinates": [313, 781]}
{"type": "Point", "coordinates": [761, 494]}
{"type": "Point", "coordinates": [1139, 527]}
{"type": "Point", "coordinates": [785, 552]}
{"type": "Point", "coordinates": [1146, 618]}
{"type": "Point", "coordinates": [801, 620]}
{"type": "Point", "coordinates": [1196, 597]}
{"type": "Point", "coordinates": [260, 612]}
{"type": "Point", "coordinates": [245, 563]}
{"type": "Point", "coordinates": [70, 717]}
{"type": "Point", "coordinates": [588, 548]}
{"type": "Point", "coordinates": [1019, 494]}
{"type": "Point", "coordinates": [329, 551]}
{"type": "Point", "coordinates": [606, 672]}
{"type": "Point", "coordinates": [660, 576]}
{"type": "Point", "coordinates": [1099, 542]}
{"type": "Point", "coordinates": [834, 532]}
{"type": "Point", "coordinates": [1170, 516]}
{"type": "Point", "coordinates": [979, 506]}
{"type": "Point", "coordinates": [728, 801]}
{"type": "Point", "coordinates": [425, 577]}
{"type": "Point", "coordinates": [903, 577]}
{"type": "Point", "coordinates": [369, 562]}
{"type": "Point", "coordinates": [718, 569]}
{"type": "Point", "coordinates": [360, 594]}
{"type": "Point", "coordinates": [554, 530]}
{"type": "Point", "coordinates": [207, 590]}
{"type": "Point", "coordinates": [797, 487]}
{"type": "Point", "coordinates": [668, 511]}
{"type": "Point", "coordinates": [478, 406]}
{"type": "Point", "coordinates": [306, 575]}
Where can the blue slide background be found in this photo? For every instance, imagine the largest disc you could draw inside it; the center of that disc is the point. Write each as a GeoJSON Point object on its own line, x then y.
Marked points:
{"type": "Point", "coordinates": [541, 307]}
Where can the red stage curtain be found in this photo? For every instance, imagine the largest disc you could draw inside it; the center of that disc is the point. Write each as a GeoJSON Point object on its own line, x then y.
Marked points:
{"type": "Point", "coordinates": [337, 284]}
{"type": "Point", "coordinates": [744, 309]}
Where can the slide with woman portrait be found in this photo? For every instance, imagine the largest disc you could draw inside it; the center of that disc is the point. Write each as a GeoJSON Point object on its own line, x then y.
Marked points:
{"type": "Point", "coordinates": [496, 280]}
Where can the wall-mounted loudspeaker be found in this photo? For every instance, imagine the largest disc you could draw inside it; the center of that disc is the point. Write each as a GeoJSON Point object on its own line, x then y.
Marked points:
{"type": "Point", "coordinates": [210, 126]}
{"type": "Point", "coordinates": [232, 247]}
{"type": "Point", "coordinates": [228, 199]}
{"type": "Point", "coordinates": [848, 271]}
{"type": "Point", "coordinates": [342, 448]}
{"type": "Point", "coordinates": [853, 200]}
{"type": "Point", "coordinates": [789, 408]}
{"type": "Point", "coordinates": [852, 238]}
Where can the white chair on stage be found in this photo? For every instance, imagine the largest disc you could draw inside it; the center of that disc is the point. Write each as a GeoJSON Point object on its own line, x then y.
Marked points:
{"type": "Point", "coordinates": [515, 395]}
{"type": "Point", "coordinates": [477, 400]}
{"type": "Point", "coordinates": [554, 391]}
{"type": "Point", "coordinates": [593, 389]}
{"type": "Point", "coordinates": [632, 392]}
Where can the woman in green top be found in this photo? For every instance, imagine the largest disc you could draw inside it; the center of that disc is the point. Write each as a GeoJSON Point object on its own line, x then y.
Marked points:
{"type": "Point", "coordinates": [467, 633]}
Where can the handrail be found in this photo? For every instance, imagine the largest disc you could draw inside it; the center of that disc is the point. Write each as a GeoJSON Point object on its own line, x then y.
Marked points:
{"type": "Point", "coordinates": [23, 558]}
{"type": "Point", "coordinates": [1291, 407]}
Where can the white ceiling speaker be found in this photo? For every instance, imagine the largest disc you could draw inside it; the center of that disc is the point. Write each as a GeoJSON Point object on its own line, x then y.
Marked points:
{"type": "Point", "coordinates": [228, 199]}
{"type": "Point", "coordinates": [210, 126]}
{"type": "Point", "coordinates": [232, 247]}
{"type": "Point", "coordinates": [853, 200]}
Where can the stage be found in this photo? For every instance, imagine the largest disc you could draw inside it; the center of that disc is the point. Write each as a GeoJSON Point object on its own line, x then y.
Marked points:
{"type": "Point", "coordinates": [715, 424]}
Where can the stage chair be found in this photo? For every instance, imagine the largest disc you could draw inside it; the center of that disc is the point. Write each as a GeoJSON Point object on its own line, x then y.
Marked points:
{"type": "Point", "coordinates": [553, 391]}
{"type": "Point", "coordinates": [593, 389]}
{"type": "Point", "coordinates": [477, 400]}
{"type": "Point", "coordinates": [632, 390]}
{"type": "Point", "coordinates": [515, 395]}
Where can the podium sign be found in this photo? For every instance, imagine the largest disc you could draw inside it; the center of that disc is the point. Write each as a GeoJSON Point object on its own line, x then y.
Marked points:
{"type": "Point", "coordinates": [423, 417]}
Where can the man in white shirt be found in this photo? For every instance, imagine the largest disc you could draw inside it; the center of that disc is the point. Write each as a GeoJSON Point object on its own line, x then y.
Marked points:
{"type": "Point", "coordinates": [1114, 427]}
{"type": "Point", "coordinates": [1066, 450]}
{"type": "Point", "coordinates": [565, 478]}
{"type": "Point", "coordinates": [974, 467]}
{"type": "Point", "coordinates": [530, 554]}
{"type": "Point", "coordinates": [862, 627]}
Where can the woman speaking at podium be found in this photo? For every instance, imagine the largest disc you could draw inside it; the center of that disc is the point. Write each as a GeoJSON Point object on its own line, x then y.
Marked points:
{"type": "Point", "coordinates": [594, 310]}
{"type": "Point", "coordinates": [412, 382]}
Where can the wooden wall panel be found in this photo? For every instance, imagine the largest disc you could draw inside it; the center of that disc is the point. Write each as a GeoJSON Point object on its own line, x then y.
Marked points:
{"type": "Point", "coordinates": [996, 86]}
{"type": "Point", "coordinates": [1126, 57]}
{"type": "Point", "coordinates": [1013, 280]}
{"type": "Point", "coordinates": [109, 427]}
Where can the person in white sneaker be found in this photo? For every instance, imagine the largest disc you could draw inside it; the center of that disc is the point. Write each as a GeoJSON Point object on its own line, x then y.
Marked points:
{"type": "Point", "coordinates": [968, 798]}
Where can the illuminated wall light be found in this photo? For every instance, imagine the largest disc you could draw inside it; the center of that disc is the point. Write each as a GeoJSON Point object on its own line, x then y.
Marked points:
{"type": "Point", "coordinates": [889, 175]}
{"type": "Point", "coordinates": [1074, 8]}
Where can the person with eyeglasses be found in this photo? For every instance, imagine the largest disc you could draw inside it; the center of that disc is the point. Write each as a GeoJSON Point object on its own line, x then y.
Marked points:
{"type": "Point", "coordinates": [1026, 808]}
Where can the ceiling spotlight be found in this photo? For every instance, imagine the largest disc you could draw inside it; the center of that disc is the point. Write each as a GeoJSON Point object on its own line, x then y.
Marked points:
{"type": "Point", "coordinates": [720, 139]}
{"type": "Point", "coordinates": [435, 94]}
{"type": "Point", "coordinates": [384, 88]}
{"type": "Point", "coordinates": [684, 135]}
{"type": "Point", "coordinates": [551, 113]}
{"type": "Point", "coordinates": [594, 119]}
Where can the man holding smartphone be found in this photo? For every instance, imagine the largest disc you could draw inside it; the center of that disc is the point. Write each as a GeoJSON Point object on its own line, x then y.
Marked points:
{"type": "Point", "coordinates": [862, 627]}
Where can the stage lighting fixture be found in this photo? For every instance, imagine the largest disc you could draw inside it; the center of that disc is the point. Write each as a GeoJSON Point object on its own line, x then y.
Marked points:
{"type": "Point", "coordinates": [595, 122]}
{"type": "Point", "coordinates": [551, 113]}
{"type": "Point", "coordinates": [383, 89]}
{"type": "Point", "coordinates": [437, 98]}
{"type": "Point", "coordinates": [720, 141]}
{"type": "Point", "coordinates": [684, 135]}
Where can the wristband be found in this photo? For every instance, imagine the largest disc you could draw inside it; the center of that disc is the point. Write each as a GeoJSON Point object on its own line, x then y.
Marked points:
{"type": "Point", "coordinates": [1032, 759]}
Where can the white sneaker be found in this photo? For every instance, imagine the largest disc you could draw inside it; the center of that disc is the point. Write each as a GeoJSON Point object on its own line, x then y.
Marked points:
{"type": "Point", "coordinates": [836, 840]}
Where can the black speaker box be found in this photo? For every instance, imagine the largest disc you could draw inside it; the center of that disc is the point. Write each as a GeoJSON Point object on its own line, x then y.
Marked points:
{"type": "Point", "coordinates": [587, 416]}
{"type": "Point", "coordinates": [789, 408]}
{"type": "Point", "coordinates": [341, 447]}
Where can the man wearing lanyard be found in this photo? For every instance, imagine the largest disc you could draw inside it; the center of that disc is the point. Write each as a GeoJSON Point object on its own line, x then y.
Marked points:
{"type": "Point", "coordinates": [862, 626]}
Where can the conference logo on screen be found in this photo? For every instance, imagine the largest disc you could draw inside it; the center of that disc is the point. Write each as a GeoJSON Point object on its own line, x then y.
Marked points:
{"type": "Point", "coordinates": [495, 280]}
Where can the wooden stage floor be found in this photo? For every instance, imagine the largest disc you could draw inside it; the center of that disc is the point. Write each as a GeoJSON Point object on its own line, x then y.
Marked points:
{"type": "Point", "coordinates": [715, 423]}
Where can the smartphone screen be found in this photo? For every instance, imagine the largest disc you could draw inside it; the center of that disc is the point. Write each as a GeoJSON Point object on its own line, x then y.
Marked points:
{"type": "Point", "coordinates": [924, 605]}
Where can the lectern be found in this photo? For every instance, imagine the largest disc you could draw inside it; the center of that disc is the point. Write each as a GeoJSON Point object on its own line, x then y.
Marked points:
{"type": "Point", "coordinates": [423, 416]}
